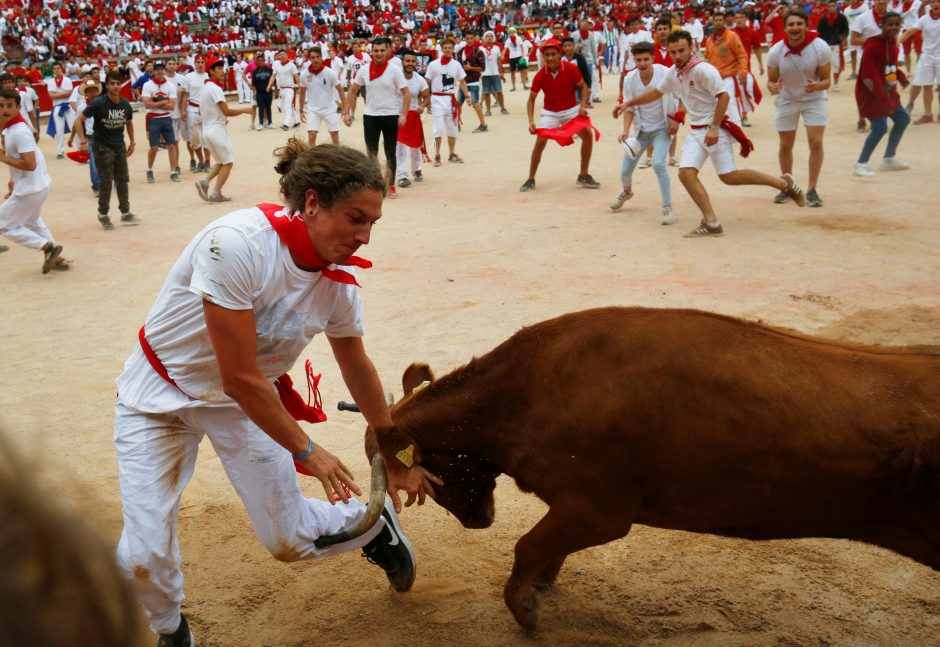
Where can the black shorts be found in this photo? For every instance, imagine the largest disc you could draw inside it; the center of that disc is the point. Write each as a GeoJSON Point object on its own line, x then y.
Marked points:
{"type": "Point", "coordinates": [518, 63]}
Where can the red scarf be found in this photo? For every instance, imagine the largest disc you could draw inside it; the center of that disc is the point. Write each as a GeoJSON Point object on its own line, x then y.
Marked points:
{"type": "Point", "coordinates": [375, 71]}
{"type": "Point", "coordinates": [58, 82]}
{"type": "Point", "coordinates": [292, 231]}
{"type": "Point", "coordinates": [313, 71]}
{"type": "Point", "coordinates": [216, 82]}
{"type": "Point", "coordinates": [513, 39]}
{"type": "Point", "coordinates": [358, 55]}
{"type": "Point", "coordinates": [689, 64]}
{"type": "Point", "coordinates": [876, 17]}
{"type": "Point", "coordinates": [798, 50]}
{"type": "Point", "coordinates": [18, 119]}
{"type": "Point", "coordinates": [906, 6]}
{"type": "Point", "coordinates": [445, 60]}
{"type": "Point", "coordinates": [584, 33]}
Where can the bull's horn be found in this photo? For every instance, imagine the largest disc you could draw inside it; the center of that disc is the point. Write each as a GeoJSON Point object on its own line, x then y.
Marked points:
{"type": "Point", "coordinates": [373, 512]}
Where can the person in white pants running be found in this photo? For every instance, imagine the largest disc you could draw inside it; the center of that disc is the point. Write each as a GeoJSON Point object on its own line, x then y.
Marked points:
{"type": "Point", "coordinates": [60, 89]}
{"type": "Point", "coordinates": [268, 278]}
{"type": "Point", "coordinates": [286, 77]}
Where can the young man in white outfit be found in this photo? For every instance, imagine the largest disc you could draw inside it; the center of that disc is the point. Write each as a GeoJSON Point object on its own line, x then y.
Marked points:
{"type": "Point", "coordinates": [60, 90]}
{"type": "Point", "coordinates": [267, 279]}
{"type": "Point", "coordinates": [409, 150]}
{"type": "Point", "coordinates": [444, 75]}
{"type": "Point", "coordinates": [190, 95]}
{"type": "Point", "coordinates": [21, 213]}
{"type": "Point", "coordinates": [699, 86]}
{"type": "Point", "coordinates": [213, 113]}
{"type": "Point", "coordinates": [159, 98]}
{"type": "Point", "coordinates": [286, 76]}
{"type": "Point", "coordinates": [318, 87]}
{"type": "Point", "coordinates": [927, 74]}
{"type": "Point", "coordinates": [241, 82]}
{"type": "Point", "coordinates": [646, 125]}
{"type": "Point", "coordinates": [799, 70]}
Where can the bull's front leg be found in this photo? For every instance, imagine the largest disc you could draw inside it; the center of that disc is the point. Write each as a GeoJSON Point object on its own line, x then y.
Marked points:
{"type": "Point", "coordinates": [565, 529]}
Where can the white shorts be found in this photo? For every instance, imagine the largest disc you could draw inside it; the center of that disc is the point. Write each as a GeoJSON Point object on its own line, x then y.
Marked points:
{"type": "Point", "coordinates": [549, 119]}
{"type": "Point", "coordinates": [181, 128]}
{"type": "Point", "coordinates": [195, 127]}
{"type": "Point", "coordinates": [215, 138]}
{"type": "Point", "coordinates": [442, 110]}
{"type": "Point", "coordinates": [787, 115]}
{"type": "Point", "coordinates": [836, 59]}
{"type": "Point", "coordinates": [315, 119]}
{"type": "Point", "coordinates": [695, 152]}
{"type": "Point", "coordinates": [927, 72]}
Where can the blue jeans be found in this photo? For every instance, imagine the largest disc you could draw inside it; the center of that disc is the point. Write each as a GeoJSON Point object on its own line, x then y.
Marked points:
{"type": "Point", "coordinates": [95, 179]}
{"type": "Point", "coordinates": [879, 126]}
{"type": "Point", "coordinates": [660, 140]}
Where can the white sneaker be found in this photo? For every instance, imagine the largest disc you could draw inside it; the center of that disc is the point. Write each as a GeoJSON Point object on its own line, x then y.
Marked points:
{"type": "Point", "coordinates": [863, 170]}
{"type": "Point", "coordinates": [835, 88]}
{"type": "Point", "coordinates": [894, 164]}
{"type": "Point", "coordinates": [669, 216]}
{"type": "Point", "coordinates": [648, 162]}
{"type": "Point", "coordinates": [622, 197]}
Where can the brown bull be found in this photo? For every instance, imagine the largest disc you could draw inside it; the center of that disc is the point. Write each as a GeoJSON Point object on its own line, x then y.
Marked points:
{"type": "Point", "coordinates": [685, 420]}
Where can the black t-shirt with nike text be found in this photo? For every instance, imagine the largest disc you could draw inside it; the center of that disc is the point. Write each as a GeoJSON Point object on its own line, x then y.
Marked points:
{"type": "Point", "coordinates": [109, 119]}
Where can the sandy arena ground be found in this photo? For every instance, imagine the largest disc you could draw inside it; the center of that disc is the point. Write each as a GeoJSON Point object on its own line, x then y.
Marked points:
{"type": "Point", "coordinates": [461, 262]}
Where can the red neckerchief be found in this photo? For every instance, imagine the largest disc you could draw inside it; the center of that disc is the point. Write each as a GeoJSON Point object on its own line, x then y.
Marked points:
{"type": "Point", "coordinates": [18, 119]}
{"type": "Point", "coordinates": [876, 17]}
{"type": "Point", "coordinates": [584, 33]}
{"type": "Point", "coordinates": [798, 50]}
{"type": "Point", "coordinates": [689, 64]}
{"type": "Point", "coordinates": [292, 231]}
{"type": "Point", "coordinates": [58, 82]}
{"type": "Point", "coordinates": [445, 60]}
{"type": "Point", "coordinates": [216, 82]}
{"type": "Point", "coordinates": [906, 6]}
{"type": "Point", "coordinates": [513, 39]}
{"type": "Point", "coordinates": [835, 17]}
{"type": "Point", "coordinates": [375, 71]}
{"type": "Point", "coordinates": [313, 71]}
{"type": "Point", "coordinates": [358, 55]}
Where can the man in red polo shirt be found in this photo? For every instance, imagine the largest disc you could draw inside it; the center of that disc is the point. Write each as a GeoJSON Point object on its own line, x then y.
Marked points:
{"type": "Point", "coordinates": [559, 79]}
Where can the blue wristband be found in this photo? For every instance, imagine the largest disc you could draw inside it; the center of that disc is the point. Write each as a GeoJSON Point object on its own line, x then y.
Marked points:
{"type": "Point", "coordinates": [307, 453]}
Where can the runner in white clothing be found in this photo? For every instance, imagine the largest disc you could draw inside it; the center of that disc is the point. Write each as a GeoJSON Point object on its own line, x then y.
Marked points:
{"type": "Point", "coordinates": [190, 94]}
{"type": "Point", "coordinates": [700, 88]}
{"type": "Point", "coordinates": [267, 279]}
{"type": "Point", "coordinates": [286, 77]}
{"type": "Point", "coordinates": [318, 87]}
{"type": "Point", "coordinates": [60, 89]}
{"type": "Point", "coordinates": [444, 75]}
{"type": "Point", "coordinates": [21, 213]}
{"type": "Point", "coordinates": [410, 147]}
{"type": "Point", "coordinates": [927, 74]}
{"type": "Point", "coordinates": [159, 97]}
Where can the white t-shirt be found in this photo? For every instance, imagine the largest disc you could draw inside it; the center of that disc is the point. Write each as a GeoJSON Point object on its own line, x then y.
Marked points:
{"type": "Point", "coordinates": [152, 88]}
{"type": "Point", "coordinates": [866, 26]}
{"type": "Point", "coordinates": [194, 83]}
{"type": "Point", "coordinates": [383, 96]}
{"type": "Point", "coordinates": [354, 64]}
{"type": "Point", "coordinates": [177, 81]}
{"type": "Point", "coordinates": [19, 139]}
{"type": "Point", "coordinates": [284, 74]}
{"type": "Point", "coordinates": [209, 112]}
{"type": "Point", "coordinates": [627, 41]}
{"type": "Point", "coordinates": [852, 13]}
{"type": "Point", "coordinates": [650, 116]}
{"type": "Point", "coordinates": [416, 85]}
{"type": "Point", "coordinates": [319, 88]}
{"type": "Point", "coordinates": [909, 17]}
{"type": "Point", "coordinates": [237, 262]}
{"type": "Point", "coordinates": [444, 78]}
{"type": "Point", "coordinates": [27, 104]}
{"type": "Point", "coordinates": [65, 85]}
{"type": "Point", "coordinates": [491, 57]}
{"type": "Point", "coordinates": [930, 29]}
{"type": "Point", "coordinates": [515, 48]}
{"type": "Point", "coordinates": [796, 70]}
{"type": "Point", "coordinates": [698, 89]}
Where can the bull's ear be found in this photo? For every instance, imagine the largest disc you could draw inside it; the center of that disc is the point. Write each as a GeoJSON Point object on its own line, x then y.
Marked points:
{"type": "Point", "coordinates": [415, 375]}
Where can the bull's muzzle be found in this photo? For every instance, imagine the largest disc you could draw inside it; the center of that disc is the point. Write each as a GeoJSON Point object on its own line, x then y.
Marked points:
{"type": "Point", "coordinates": [373, 512]}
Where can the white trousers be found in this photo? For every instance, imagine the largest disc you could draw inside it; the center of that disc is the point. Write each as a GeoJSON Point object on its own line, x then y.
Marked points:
{"type": "Point", "coordinates": [402, 153]}
{"type": "Point", "coordinates": [60, 123]}
{"type": "Point", "coordinates": [733, 112]}
{"type": "Point", "coordinates": [596, 80]}
{"type": "Point", "coordinates": [156, 457]}
{"type": "Point", "coordinates": [194, 127]}
{"type": "Point", "coordinates": [244, 90]}
{"type": "Point", "coordinates": [21, 220]}
{"type": "Point", "coordinates": [442, 112]}
{"type": "Point", "coordinates": [287, 105]}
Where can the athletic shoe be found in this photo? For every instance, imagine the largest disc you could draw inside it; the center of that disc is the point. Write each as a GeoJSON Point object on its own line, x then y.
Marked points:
{"type": "Point", "coordinates": [192, 166]}
{"type": "Point", "coordinates": [745, 122]}
{"type": "Point", "coordinates": [861, 126]}
{"type": "Point", "coordinates": [251, 128]}
{"type": "Point", "coordinates": [513, 90]}
{"type": "Point", "coordinates": [924, 119]}
{"type": "Point", "coordinates": [175, 176]}
{"type": "Point", "coordinates": [781, 198]}
{"type": "Point", "coordinates": [894, 164]}
{"type": "Point", "coordinates": [106, 223]}
{"type": "Point", "coordinates": [51, 252]}
{"type": "Point", "coordinates": [813, 199]}
{"type": "Point", "coordinates": [487, 114]}
{"type": "Point", "coordinates": [503, 111]}
{"type": "Point", "coordinates": [704, 230]}
{"type": "Point", "coordinates": [622, 197]}
{"type": "Point", "coordinates": [418, 176]}
{"type": "Point", "coordinates": [94, 192]}
{"type": "Point", "coordinates": [259, 127]}
{"type": "Point", "coordinates": [129, 219]}
{"type": "Point", "coordinates": [218, 197]}
{"type": "Point", "coordinates": [673, 161]}
{"type": "Point", "coordinates": [392, 193]}
{"type": "Point", "coordinates": [482, 128]}
{"type": "Point", "coordinates": [177, 170]}
{"type": "Point", "coordinates": [150, 178]}
{"type": "Point", "coordinates": [648, 162]}
{"type": "Point", "coordinates": [597, 100]}
{"type": "Point", "coordinates": [297, 125]}
{"type": "Point", "coordinates": [60, 156]}
{"type": "Point", "coordinates": [909, 108]}
{"type": "Point", "coordinates": [853, 77]}
{"type": "Point", "coordinates": [391, 551]}
{"type": "Point", "coordinates": [206, 167]}
{"type": "Point", "coordinates": [863, 170]}
{"type": "Point", "coordinates": [284, 127]}
{"type": "Point", "coordinates": [182, 637]}
{"type": "Point", "coordinates": [527, 186]}
{"type": "Point", "coordinates": [669, 216]}
{"type": "Point", "coordinates": [202, 187]}
{"type": "Point", "coordinates": [793, 190]}
{"type": "Point", "coordinates": [588, 181]}
{"type": "Point", "coordinates": [270, 126]}
{"type": "Point", "coordinates": [835, 88]}
{"type": "Point", "coordinates": [404, 182]}
{"type": "Point", "coordinates": [4, 248]}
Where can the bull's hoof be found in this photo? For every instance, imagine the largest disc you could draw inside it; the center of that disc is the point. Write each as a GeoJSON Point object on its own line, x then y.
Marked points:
{"type": "Point", "coordinates": [525, 611]}
{"type": "Point", "coordinates": [543, 585]}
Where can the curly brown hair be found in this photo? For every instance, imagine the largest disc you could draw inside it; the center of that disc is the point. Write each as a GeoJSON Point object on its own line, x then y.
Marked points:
{"type": "Point", "coordinates": [334, 172]}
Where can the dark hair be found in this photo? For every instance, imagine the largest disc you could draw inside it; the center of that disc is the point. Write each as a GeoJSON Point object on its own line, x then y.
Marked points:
{"type": "Point", "coordinates": [10, 94]}
{"type": "Point", "coordinates": [7, 77]}
{"type": "Point", "coordinates": [382, 40]}
{"type": "Point", "coordinates": [567, 39]}
{"type": "Point", "coordinates": [316, 50]}
{"type": "Point", "coordinates": [407, 52]}
{"type": "Point", "coordinates": [891, 14]}
{"type": "Point", "coordinates": [632, 19]}
{"type": "Point", "coordinates": [682, 34]}
{"type": "Point", "coordinates": [114, 75]}
{"type": "Point", "coordinates": [797, 12]}
{"type": "Point", "coordinates": [334, 172]}
{"type": "Point", "coordinates": [22, 76]}
{"type": "Point", "coordinates": [663, 21]}
{"type": "Point", "coordinates": [446, 41]}
{"type": "Point", "coordinates": [643, 47]}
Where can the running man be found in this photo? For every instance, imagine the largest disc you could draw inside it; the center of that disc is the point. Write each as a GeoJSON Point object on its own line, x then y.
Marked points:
{"type": "Point", "coordinates": [798, 72]}
{"type": "Point", "coordinates": [318, 84]}
{"type": "Point", "coordinates": [60, 89]}
{"type": "Point", "coordinates": [159, 97]}
{"type": "Point", "coordinates": [286, 77]}
{"type": "Point", "coordinates": [445, 75]}
{"type": "Point", "coordinates": [706, 99]}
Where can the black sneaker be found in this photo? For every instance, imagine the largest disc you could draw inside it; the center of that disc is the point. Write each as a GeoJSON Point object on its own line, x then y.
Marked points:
{"type": "Point", "coordinates": [482, 128]}
{"type": "Point", "coordinates": [182, 637]}
{"type": "Point", "coordinates": [106, 223]}
{"type": "Point", "coordinates": [404, 182]}
{"type": "Point", "coordinates": [192, 166]}
{"type": "Point", "coordinates": [392, 551]}
{"type": "Point", "coordinates": [527, 186]}
{"type": "Point", "coordinates": [781, 198]}
{"type": "Point", "coordinates": [4, 248]}
{"type": "Point", "coordinates": [813, 199]}
{"type": "Point", "coordinates": [419, 177]}
{"type": "Point", "coordinates": [129, 219]}
{"type": "Point", "coordinates": [588, 181]}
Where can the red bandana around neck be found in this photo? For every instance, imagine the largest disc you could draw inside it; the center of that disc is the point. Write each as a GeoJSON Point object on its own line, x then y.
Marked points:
{"type": "Point", "coordinates": [18, 119]}
{"type": "Point", "coordinates": [216, 82]}
{"type": "Point", "coordinates": [798, 49]}
{"type": "Point", "coordinates": [313, 71]}
{"type": "Point", "coordinates": [584, 33]}
{"type": "Point", "coordinates": [58, 82]}
{"type": "Point", "coordinates": [689, 64]}
{"type": "Point", "coordinates": [445, 60]}
{"type": "Point", "coordinates": [876, 16]}
{"type": "Point", "coordinates": [292, 231]}
{"type": "Point", "coordinates": [375, 71]}
{"type": "Point", "coordinates": [358, 55]}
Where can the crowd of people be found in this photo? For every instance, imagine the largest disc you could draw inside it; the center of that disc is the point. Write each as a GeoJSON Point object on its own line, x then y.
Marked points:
{"type": "Point", "coordinates": [680, 66]}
